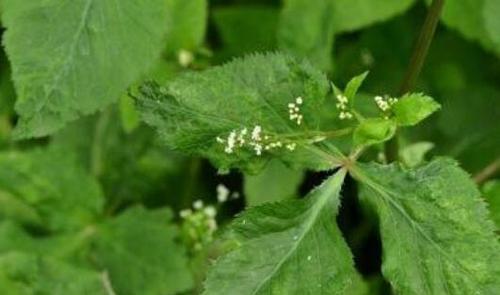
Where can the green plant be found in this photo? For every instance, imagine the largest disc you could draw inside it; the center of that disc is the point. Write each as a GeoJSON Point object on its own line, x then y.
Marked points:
{"type": "Point", "coordinates": [87, 204]}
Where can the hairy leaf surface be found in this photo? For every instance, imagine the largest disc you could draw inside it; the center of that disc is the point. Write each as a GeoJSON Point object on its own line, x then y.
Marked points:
{"type": "Point", "coordinates": [255, 91]}
{"type": "Point", "coordinates": [436, 235]}
{"type": "Point", "coordinates": [289, 247]}
{"type": "Point", "coordinates": [71, 58]}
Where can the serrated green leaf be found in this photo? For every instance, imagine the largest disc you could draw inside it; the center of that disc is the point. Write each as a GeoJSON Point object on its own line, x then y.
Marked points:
{"type": "Point", "coordinates": [491, 191]}
{"type": "Point", "coordinates": [137, 248]}
{"type": "Point", "coordinates": [50, 186]}
{"type": "Point", "coordinates": [373, 130]}
{"type": "Point", "coordinates": [192, 111]}
{"type": "Point", "coordinates": [436, 235]}
{"type": "Point", "coordinates": [276, 182]}
{"type": "Point", "coordinates": [412, 108]}
{"type": "Point", "coordinates": [186, 23]}
{"type": "Point", "coordinates": [290, 247]}
{"type": "Point", "coordinates": [81, 62]}
{"type": "Point", "coordinates": [27, 274]}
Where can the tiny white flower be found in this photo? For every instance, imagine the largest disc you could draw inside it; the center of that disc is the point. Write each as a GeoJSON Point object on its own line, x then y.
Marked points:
{"type": "Point", "coordinates": [185, 213]}
{"type": "Point", "coordinates": [210, 211]}
{"type": "Point", "coordinates": [299, 100]}
{"type": "Point", "coordinates": [256, 133]}
{"type": "Point", "coordinates": [222, 193]}
{"type": "Point", "coordinates": [198, 204]}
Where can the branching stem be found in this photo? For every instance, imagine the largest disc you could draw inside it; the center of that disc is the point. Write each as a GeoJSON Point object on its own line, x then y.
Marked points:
{"type": "Point", "coordinates": [416, 63]}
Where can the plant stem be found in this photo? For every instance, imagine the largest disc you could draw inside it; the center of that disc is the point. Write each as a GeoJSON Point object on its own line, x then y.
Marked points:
{"type": "Point", "coordinates": [416, 63]}
{"type": "Point", "coordinates": [488, 172]}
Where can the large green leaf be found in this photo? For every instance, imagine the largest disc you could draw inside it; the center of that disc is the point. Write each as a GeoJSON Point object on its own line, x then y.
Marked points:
{"type": "Point", "coordinates": [28, 274]}
{"type": "Point", "coordinates": [199, 112]}
{"type": "Point", "coordinates": [73, 57]}
{"type": "Point", "coordinates": [290, 247]}
{"type": "Point", "coordinates": [137, 248]}
{"type": "Point", "coordinates": [436, 235]}
{"type": "Point", "coordinates": [48, 188]}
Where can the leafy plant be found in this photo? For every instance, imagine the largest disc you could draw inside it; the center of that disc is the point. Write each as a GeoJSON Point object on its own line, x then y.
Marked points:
{"type": "Point", "coordinates": [132, 132]}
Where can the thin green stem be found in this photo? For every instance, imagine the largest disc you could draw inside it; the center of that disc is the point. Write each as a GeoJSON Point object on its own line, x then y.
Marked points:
{"type": "Point", "coordinates": [416, 63]}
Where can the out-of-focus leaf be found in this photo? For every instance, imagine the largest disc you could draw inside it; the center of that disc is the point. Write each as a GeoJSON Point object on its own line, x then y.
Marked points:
{"type": "Point", "coordinates": [28, 274]}
{"type": "Point", "coordinates": [491, 191]}
{"type": "Point", "coordinates": [276, 182]}
{"type": "Point", "coordinates": [307, 27]}
{"type": "Point", "coordinates": [138, 250]}
{"type": "Point", "coordinates": [50, 186]}
{"type": "Point", "coordinates": [186, 23]}
{"type": "Point", "coordinates": [246, 29]}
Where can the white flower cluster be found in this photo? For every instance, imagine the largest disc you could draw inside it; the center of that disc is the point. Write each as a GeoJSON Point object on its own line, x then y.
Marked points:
{"type": "Point", "coordinates": [255, 140]}
{"type": "Point", "coordinates": [342, 106]}
{"type": "Point", "coordinates": [294, 110]}
{"type": "Point", "coordinates": [384, 104]}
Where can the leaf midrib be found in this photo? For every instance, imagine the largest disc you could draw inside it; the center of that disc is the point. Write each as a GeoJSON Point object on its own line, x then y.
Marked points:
{"type": "Point", "coordinates": [386, 195]}
{"type": "Point", "coordinates": [316, 209]}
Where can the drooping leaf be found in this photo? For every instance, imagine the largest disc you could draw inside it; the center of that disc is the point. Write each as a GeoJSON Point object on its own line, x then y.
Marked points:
{"type": "Point", "coordinates": [276, 182]}
{"type": "Point", "coordinates": [81, 62]}
{"type": "Point", "coordinates": [202, 113]}
{"type": "Point", "coordinates": [290, 247]}
{"type": "Point", "coordinates": [50, 188]}
{"type": "Point", "coordinates": [436, 235]}
{"type": "Point", "coordinates": [413, 108]}
{"type": "Point", "coordinates": [137, 248]}
{"type": "Point", "coordinates": [28, 274]}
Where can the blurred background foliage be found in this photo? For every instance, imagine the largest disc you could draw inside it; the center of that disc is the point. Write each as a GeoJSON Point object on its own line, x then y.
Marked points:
{"type": "Point", "coordinates": [100, 200]}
